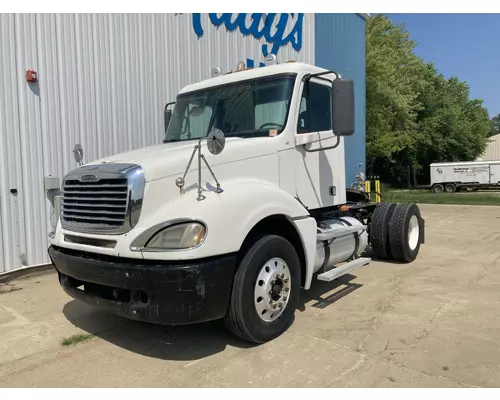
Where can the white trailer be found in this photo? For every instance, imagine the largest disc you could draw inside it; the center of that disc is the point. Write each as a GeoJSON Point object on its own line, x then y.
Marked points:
{"type": "Point", "coordinates": [469, 176]}
{"type": "Point", "coordinates": [175, 234]}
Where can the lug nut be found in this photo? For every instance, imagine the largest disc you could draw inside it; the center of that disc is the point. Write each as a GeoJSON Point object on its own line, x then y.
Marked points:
{"type": "Point", "coordinates": [285, 280]}
{"type": "Point", "coordinates": [285, 298]}
{"type": "Point", "coordinates": [274, 305]}
{"type": "Point", "coordinates": [287, 289]}
{"type": "Point", "coordinates": [280, 304]}
{"type": "Point", "coordinates": [282, 275]}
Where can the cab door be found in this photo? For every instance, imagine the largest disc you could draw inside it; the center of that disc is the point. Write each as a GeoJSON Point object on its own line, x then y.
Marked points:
{"type": "Point", "coordinates": [319, 167]}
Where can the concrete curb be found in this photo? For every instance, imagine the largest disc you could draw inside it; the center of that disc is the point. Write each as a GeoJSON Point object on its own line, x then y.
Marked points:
{"type": "Point", "coordinates": [23, 272]}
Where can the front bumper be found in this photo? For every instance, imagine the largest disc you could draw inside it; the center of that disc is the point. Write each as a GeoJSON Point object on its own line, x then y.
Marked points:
{"type": "Point", "coordinates": [168, 293]}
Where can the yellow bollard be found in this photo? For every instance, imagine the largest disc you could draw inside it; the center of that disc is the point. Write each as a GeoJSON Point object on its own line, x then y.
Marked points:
{"type": "Point", "coordinates": [377, 190]}
{"type": "Point", "coordinates": [368, 189]}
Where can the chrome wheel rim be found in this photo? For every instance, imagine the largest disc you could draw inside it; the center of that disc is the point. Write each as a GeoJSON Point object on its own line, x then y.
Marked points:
{"type": "Point", "coordinates": [272, 289]}
{"type": "Point", "coordinates": [413, 232]}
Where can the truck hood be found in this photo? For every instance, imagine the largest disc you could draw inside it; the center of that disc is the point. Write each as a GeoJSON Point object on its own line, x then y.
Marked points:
{"type": "Point", "coordinates": [163, 160]}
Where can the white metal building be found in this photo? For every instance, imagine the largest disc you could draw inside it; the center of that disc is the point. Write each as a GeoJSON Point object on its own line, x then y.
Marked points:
{"type": "Point", "coordinates": [103, 81]}
{"type": "Point", "coordinates": [492, 152]}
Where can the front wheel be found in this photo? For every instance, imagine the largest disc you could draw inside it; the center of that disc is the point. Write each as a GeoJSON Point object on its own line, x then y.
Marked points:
{"type": "Point", "coordinates": [266, 291]}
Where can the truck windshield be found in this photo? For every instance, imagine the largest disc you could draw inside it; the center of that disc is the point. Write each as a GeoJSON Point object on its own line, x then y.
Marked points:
{"type": "Point", "coordinates": [244, 109]}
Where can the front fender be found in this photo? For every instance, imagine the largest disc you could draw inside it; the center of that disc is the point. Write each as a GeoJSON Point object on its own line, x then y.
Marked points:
{"type": "Point", "coordinates": [229, 216]}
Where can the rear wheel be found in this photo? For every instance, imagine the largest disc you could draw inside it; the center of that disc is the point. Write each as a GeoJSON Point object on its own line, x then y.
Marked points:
{"type": "Point", "coordinates": [266, 291]}
{"type": "Point", "coordinates": [404, 232]}
{"type": "Point", "coordinates": [450, 188]}
{"type": "Point", "coordinates": [379, 230]}
{"type": "Point", "coordinates": [438, 188]}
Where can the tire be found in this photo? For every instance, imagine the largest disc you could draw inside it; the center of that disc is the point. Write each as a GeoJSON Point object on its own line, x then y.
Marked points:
{"type": "Point", "coordinates": [243, 319]}
{"type": "Point", "coordinates": [379, 230]}
{"type": "Point", "coordinates": [450, 188]}
{"type": "Point", "coordinates": [438, 188]}
{"type": "Point", "coordinates": [404, 232]}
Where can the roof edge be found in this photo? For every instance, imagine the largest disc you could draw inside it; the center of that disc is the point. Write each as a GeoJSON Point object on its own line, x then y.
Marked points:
{"type": "Point", "coordinates": [364, 16]}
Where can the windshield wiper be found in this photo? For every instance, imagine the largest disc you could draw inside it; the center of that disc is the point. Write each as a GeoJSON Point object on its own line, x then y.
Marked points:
{"type": "Point", "coordinates": [249, 134]}
{"type": "Point", "coordinates": [171, 140]}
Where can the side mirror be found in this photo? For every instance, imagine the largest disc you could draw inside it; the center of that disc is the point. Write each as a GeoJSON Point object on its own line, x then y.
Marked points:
{"type": "Point", "coordinates": [343, 107]}
{"type": "Point", "coordinates": [167, 115]}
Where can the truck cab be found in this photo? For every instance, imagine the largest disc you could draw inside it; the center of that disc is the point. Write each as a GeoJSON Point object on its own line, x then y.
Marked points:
{"type": "Point", "coordinates": [242, 206]}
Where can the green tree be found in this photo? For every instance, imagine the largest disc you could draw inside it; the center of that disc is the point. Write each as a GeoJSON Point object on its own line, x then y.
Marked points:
{"type": "Point", "coordinates": [495, 124]}
{"type": "Point", "coordinates": [415, 116]}
{"type": "Point", "coordinates": [391, 105]}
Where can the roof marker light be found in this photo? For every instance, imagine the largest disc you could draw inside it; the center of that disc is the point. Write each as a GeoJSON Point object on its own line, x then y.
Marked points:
{"type": "Point", "coordinates": [240, 67]}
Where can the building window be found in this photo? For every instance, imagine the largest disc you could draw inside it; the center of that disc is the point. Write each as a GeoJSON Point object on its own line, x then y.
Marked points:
{"type": "Point", "coordinates": [315, 113]}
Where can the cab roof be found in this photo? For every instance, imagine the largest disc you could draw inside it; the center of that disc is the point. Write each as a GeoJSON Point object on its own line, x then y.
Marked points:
{"type": "Point", "coordinates": [290, 67]}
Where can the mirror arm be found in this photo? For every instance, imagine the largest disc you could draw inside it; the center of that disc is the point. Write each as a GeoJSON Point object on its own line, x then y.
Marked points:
{"type": "Point", "coordinates": [323, 148]}
{"type": "Point", "coordinates": [319, 75]}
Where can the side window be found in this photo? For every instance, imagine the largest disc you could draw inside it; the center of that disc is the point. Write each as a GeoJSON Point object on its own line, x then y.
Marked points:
{"type": "Point", "coordinates": [315, 113]}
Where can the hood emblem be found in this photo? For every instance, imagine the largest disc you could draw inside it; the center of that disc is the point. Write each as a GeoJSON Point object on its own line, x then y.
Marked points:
{"type": "Point", "coordinates": [89, 178]}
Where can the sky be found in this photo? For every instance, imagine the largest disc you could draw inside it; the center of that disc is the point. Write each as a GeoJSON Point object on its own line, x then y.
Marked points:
{"type": "Point", "coordinates": [463, 45]}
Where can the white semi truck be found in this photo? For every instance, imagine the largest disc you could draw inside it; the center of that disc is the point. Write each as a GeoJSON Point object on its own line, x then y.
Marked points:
{"type": "Point", "coordinates": [243, 205]}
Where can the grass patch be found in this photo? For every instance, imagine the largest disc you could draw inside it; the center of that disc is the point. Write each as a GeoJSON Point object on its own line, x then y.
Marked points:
{"type": "Point", "coordinates": [425, 197]}
{"type": "Point", "coordinates": [75, 339]}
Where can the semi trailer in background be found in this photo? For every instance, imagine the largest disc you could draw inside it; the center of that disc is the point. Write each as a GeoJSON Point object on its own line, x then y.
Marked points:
{"type": "Point", "coordinates": [469, 176]}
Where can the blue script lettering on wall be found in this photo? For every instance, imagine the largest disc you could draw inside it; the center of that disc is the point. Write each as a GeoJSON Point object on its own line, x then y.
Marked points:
{"type": "Point", "coordinates": [277, 39]}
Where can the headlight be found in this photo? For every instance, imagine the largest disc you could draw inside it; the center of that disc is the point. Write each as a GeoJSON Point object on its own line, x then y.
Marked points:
{"type": "Point", "coordinates": [181, 236]}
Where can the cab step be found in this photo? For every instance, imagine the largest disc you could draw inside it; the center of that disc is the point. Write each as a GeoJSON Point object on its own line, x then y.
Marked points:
{"type": "Point", "coordinates": [337, 272]}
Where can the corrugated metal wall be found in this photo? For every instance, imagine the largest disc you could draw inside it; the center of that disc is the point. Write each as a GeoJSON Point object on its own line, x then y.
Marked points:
{"type": "Point", "coordinates": [103, 82]}
{"type": "Point", "coordinates": [492, 152]}
{"type": "Point", "coordinates": [341, 46]}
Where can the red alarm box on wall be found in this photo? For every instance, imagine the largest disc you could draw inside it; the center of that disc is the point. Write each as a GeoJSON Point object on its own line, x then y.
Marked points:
{"type": "Point", "coordinates": [31, 76]}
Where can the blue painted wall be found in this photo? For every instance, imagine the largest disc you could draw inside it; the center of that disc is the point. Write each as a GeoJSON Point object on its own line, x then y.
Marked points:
{"type": "Point", "coordinates": [340, 46]}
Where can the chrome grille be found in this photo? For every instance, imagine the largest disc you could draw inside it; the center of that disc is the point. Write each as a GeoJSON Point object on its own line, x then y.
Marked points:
{"type": "Point", "coordinates": [103, 200]}
{"type": "Point", "coordinates": [102, 203]}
